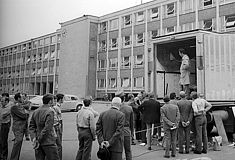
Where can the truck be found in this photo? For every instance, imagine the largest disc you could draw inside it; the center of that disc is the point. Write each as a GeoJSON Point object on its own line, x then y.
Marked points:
{"type": "Point", "coordinates": [212, 68]}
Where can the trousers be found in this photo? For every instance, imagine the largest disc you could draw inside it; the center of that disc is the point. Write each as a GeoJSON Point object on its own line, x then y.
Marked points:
{"type": "Point", "coordinates": [127, 143]}
{"type": "Point", "coordinates": [85, 144]}
{"type": "Point", "coordinates": [201, 133]}
{"type": "Point", "coordinates": [184, 137]}
{"type": "Point", "coordinates": [4, 131]}
{"type": "Point", "coordinates": [59, 140]}
{"type": "Point", "coordinates": [50, 152]}
{"type": "Point", "coordinates": [170, 138]}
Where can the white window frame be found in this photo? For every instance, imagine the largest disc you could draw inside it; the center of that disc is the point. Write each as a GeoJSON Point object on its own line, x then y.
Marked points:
{"type": "Point", "coordinates": [113, 61]}
{"type": "Point", "coordinates": [103, 27]}
{"type": "Point", "coordinates": [230, 24]}
{"type": "Point", "coordinates": [210, 2]}
{"type": "Point", "coordinates": [124, 63]}
{"type": "Point", "coordinates": [33, 72]}
{"type": "Point", "coordinates": [101, 83]}
{"type": "Point", "coordinates": [135, 82]}
{"type": "Point", "coordinates": [126, 42]}
{"type": "Point", "coordinates": [140, 17]}
{"type": "Point", "coordinates": [137, 62]}
{"type": "Point", "coordinates": [39, 71]}
{"type": "Point", "coordinates": [113, 43]}
{"type": "Point", "coordinates": [153, 35]}
{"type": "Point", "coordinates": [138, 40]}
{"type": "Point", "coordinates": [154, 15]}
{"type": "Point", "coordinates": [125, 80]}
{"type": "Point", "coordinates": [204, 25]}
{"type": "Point", "coordinates": [100, 67]}
{"type": "Point", "coordinates": [125, 22]}
{"type": "Point", "coordinates": [168, 11]}
{"type": "Point", "coordinates": [112, 85]}
{"type": "Point", "coordinates": [167, 30]}
{"type": "Point", "coordinates": [103, 45]}
{"type": "Point", "coordinates": [114, 24]}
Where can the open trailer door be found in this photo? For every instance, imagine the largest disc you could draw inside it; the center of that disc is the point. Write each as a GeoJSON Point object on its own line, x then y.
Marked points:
{"type": "Point", "coordinates": [219, 62]}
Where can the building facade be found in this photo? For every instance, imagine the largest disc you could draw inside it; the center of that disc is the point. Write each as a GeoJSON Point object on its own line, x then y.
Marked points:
{"type": "Point", "coordinates": [99, 55]}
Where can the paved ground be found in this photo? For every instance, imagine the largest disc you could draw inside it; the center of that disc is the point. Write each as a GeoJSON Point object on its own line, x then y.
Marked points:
{"type": "Point", "coordinates": [70, 145]}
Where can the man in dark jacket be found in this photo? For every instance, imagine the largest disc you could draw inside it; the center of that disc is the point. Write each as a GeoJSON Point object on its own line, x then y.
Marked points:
{"type": "Point", "coordinates": [109, 129]}
{"type": "Point", "coordinates": [19, 126]}
{"type": "Point", "coordinates": [150, 110]}
{"type": "Point", "coordinates": [186, 116]}
{"type": "Point", "coordinates": [42, 131]}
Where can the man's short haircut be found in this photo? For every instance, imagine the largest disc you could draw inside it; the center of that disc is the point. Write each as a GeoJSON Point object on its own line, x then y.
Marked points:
{"type": "Point", "coordinates": [5, 95]}
{"type": "Point", "coordinates": [172, 95]}
{"type": "Point", "coordinates": [151, 95]}
{"type": "Point", "coordinates": [25, 94]}
{"type": "Point", "coordinates": [194, 95]}
{"type": "Point", "coordinates": [182, 94]}
{"type": "Point", "coordinates": [87, 102]}
{"type": "Point", "coordinates": [130, 96]}
{"type": "Point", "coordinates": [47, 98]}
{"type": "Point", "coordinates": [166, 98]}
{"type": "Point", "coordinates": [182, 50]}
{"type": "Point", "coordinates": [59, 97]}
{"type": "Point", "coordinates": [17, 96]}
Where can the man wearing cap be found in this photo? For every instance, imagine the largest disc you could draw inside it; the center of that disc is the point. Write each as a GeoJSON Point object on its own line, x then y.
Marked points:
{"type": "Point", "coordinates": [109, 129]}
{"type": "Point", "coordinates": [170, 116]}
{"type": "Point", "coordinates": [128, 126]}
{"type": "Point", "coordinates": [186, 116]}
{"type": "Point", "coordinates": [86, 130]}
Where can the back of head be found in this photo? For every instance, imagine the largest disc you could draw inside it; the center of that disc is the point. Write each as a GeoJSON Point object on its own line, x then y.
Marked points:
{"type": "Point", "coordinates": [166, 99]}
{"type": "Point", "coordinates": [194, 95]}
{"type": "Point", "coordinates": [59, 97]}
{"type": "Point", "coordinates": [182, 50]}
{"type": "Point", "coordinates": [151, 95]}
{"type": "Point", "coordinates": [172, 95]}
{"type": "Point", "coordinates": [130, 96]}
{"type": "Point", "coordinates": [47, 98]}
{"type": "Point", "coordinates": [120, 94]}
{"type": "Point", "coordinates": [5, 95]}
{"type": "Point", "coordinates": [87, 102]}
{"type": "Point", "coordinates": [116, 101]}
{"type": "Point", "coordinates": [17, 96]}
{"type": "Point", "coordinates": [182, 94]}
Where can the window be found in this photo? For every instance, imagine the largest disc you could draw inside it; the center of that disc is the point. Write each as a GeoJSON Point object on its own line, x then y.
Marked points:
{"type": "Point", "coordinates": [59, 37]}
{"type": "Point", "coordinates": [34, 58]}
{"type": "Point", "coordinates": [139, 60]}
{"type": "Point", "coordinates": [126, 62]}
{"type": "Point", "coordinates": [29, 46]}
{"type": "Point", "coordinates": [207, 2]}
{"type": "Point", "coordinates": [114, 24]}
{"type": "Point", "coordinates": [9, 74]}
{"type": "Point", "coordinates": [207, 25]}
{"type": "Point", "coordinates": [103, 46]}
{"type": "Point", "coordinates": [154, 13]}
{"type": "Point", "coordinates": [154, 34]}
{"type": "Point", "coordinates": [101, 83]}
{"type": "Point", "coordinates": [230, 21]}
{"type": "Point", "coordinates": [39, 71]}
{"type": "Point", "coordinates": [45, 70]}
{"type": "Point", "coordinates": [126, 41]}
{"type": "Point", "coordinates": [113, 43]}
{"type": "Point", "coordinates": [103, 27]}
{"type": "Point", "coordinates": [170, 30]}
{"type": "Point", "coordinates": [45, 55]}
{"type": "Point", "coordinates": [112, 83]}
{"type": "Point", "coordinates": [33, 72]}
{"type": "Point", "coordinates": [40, 57]}
{"type": "Point", "coordinates": [24, 46]}
{"type": "Point", "coordinates": [113, 63]}
{"type": "Point", "coordinates": [28, 59]}
{"type": "Point", "coordinates": [52, 54]}
{"type": "Point", "coordinates": [140, 38]}
{"type": "Point", "coordinates": [35, 44]}
{"type": "Point", "coordinates": [53, 39]}
{"type": "Point", "coordinates": [101, 64]}
{"type": "Point", "coordinates": [170, 9]}
{"type": "Point", "coordinates": [125, 82]}
{"type": "Point", "coordinates": [51, 69]}
{"type": "Point", "coordinates": [139, 82]}
{"type": "Point", "coordinates": [140, 17]}
{"type": "Point", "coordinates": [47, 41]}
{"type": "Point", "coordinates": [127, 20]}
{"type": "Point", "coordinates": [41, 42]}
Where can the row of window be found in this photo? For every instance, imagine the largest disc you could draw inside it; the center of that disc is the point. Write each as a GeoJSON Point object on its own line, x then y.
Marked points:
{"type": "Point", "coordinates": [30, 45]}
{"type": "Point", "coordinates": [125, 63]}
{"type": "Point", "coordinates": [153, 14]}
{"type": "Point", "coordinates": [28, 72]}
{"type": "Point", "coordinates": [125, 83]}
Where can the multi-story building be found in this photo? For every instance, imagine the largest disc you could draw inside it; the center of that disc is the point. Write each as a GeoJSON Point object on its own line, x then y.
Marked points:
{"type": "Point", "coordinates": [100, 55]}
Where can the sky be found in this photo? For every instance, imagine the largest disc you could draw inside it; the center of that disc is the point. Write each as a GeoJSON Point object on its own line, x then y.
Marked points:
{"type": "Point", "coordinates": [21, 20]}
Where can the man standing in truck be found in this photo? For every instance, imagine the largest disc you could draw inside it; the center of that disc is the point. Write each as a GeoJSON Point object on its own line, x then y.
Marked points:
{"type": "Point", "coordinates": [184, 72]}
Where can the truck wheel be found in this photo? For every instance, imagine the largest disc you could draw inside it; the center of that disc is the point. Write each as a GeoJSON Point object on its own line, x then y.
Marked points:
{"type": "Point", "coordinates": [78, 108]}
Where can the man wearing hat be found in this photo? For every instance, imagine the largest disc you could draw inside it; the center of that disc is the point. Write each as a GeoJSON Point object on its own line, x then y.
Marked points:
{"type": "Point", "coordinates": [128, 126]}
{"type": "Point", "coordinates": [109, 129]}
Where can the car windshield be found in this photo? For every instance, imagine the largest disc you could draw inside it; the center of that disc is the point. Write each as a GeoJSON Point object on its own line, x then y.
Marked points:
{"type": "Point", "coordinates": [37, 99]}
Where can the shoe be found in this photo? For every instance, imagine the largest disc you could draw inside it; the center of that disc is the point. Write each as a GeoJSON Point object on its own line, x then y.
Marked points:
{"type": "Point", "coordinates": [181, 152]}
{"type": "Point", "coordinates": [172, 155]}
{"type": "Point", "coordinates": [149, 148]}
{"type": "Point", "coordinates": [197, 152]}
{"type": "Point", "coordinates": [166, 156]}
{"type": "Point", "coordinates": [204, 151]}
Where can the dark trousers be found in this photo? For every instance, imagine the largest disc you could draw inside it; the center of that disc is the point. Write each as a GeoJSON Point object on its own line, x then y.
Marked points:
{"type": "Point", "coordinates": [127, 143]}
{"type": "Point", "coordinates": [59, 140]}
{"type": "Point", "coordinates": [143, 132]}
{"type": "Point", "coordinates": [19, 135]}
{"type": "Point", "coordinates": [184, 137]}
{"type": "Point", "coordinates": [138, 129]}
{"type": "Point", "coordinates": [85, 144]}
{"type": "Point", "coordinates": [115, 155]}
{"type": "Point", "coordinates": [170, 138]}
{"type": "Point", "coordinates": [4, 131]}
{"type": "Point", "coordinates": [201, 133]}
{"type": "Point", "coordinates": [50, 152]}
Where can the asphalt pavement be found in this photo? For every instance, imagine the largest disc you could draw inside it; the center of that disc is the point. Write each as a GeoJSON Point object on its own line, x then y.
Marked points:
{"type": "Point", "coordinates": [70, 145]}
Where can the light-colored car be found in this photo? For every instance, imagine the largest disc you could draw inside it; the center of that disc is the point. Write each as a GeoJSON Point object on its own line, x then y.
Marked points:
{"type": "Point", "coordinates": [71, 102]}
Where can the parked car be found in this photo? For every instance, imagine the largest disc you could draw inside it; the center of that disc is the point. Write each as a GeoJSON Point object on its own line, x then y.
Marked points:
{"type": "Point", "coordinates": [71, 102]}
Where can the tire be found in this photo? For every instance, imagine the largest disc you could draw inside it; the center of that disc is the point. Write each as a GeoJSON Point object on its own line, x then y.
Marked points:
{"type": "Point", "coordinates": [79, 106]}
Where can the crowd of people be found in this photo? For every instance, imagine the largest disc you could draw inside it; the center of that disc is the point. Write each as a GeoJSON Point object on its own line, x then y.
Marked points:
{"type": "Point", "coordinates": [126, 122]}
